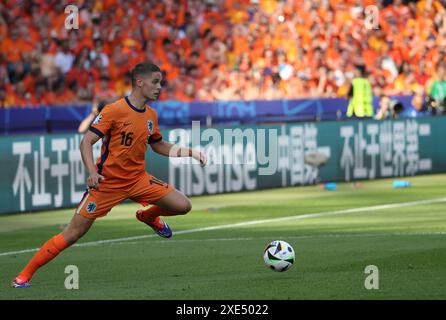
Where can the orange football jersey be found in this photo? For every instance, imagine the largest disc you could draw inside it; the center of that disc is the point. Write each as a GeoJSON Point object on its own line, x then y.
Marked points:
{"type": "Point", "coordinates": [125, 131]}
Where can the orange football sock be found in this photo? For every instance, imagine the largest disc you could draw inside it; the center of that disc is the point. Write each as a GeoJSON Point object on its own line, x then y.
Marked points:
{"type": "Point", "coordinates": [149, 215]}
{"type": "Point", "coordinates": [48, 252]}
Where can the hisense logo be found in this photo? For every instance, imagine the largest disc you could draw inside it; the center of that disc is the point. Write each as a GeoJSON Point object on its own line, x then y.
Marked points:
{"type": "Point", "coordinates": [290, 155]}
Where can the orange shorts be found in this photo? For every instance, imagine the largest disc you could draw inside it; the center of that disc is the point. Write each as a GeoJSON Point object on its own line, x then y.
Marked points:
{"type": "Point", "coordinates": [97, 203]}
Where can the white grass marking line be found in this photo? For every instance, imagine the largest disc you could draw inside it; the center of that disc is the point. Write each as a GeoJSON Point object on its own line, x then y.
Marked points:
{"type": "Point", "coordinates": [253, 222]}
{"type": "Point", "coordinates": [304, 236]}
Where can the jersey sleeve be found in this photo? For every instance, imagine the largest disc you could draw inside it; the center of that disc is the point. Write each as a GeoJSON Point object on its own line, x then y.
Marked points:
{"type": "Point", "coordinates": [103, 122]}
{"type": "Point", "coordinates": [156, 135]}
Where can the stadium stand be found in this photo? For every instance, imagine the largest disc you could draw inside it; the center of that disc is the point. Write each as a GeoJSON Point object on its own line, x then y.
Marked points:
{"type": "Point", "coordinates": [216, 50]}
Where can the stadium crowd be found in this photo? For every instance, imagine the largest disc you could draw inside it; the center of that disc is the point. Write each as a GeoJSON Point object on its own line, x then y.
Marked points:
{"type": "Point", "coordinates": [217, 49]}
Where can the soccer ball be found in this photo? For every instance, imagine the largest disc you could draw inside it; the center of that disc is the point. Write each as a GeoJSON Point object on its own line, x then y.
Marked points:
{"type": "Point", "coordinates": [278, 255]}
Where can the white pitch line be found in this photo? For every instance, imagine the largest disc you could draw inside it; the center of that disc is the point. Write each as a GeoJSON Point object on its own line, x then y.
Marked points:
{"type": "Point", "coordinates": [253, 222]}
{"type": "Point", "coordinates": [304, 236]}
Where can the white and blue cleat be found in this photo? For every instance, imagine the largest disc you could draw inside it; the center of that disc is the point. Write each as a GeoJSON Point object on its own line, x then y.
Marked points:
{"type": "Point", "coordinates": [17, 283]}
{"type": "Point", "coordinates": [164, 232]}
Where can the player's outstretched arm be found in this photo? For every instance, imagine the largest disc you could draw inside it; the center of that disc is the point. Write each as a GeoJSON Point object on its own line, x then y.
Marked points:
{"type": "Point", "coordinates": [85, 124]}
{"type": "Point", "coordinates": [86, 148]}
{"type": "Point", "coordinates": [172, 150]}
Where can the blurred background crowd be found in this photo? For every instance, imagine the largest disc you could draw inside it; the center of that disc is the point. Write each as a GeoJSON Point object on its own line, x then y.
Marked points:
{"type": "Point", "coordinates": [219, 49]}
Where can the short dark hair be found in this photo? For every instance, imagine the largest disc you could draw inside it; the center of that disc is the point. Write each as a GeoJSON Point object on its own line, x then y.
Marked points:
{"type": "Point", "coordinates": [101, 105]}
{"type": "Point", "coordinates": [144, 68]}
{"type": "Point", "coordinates": [362, 69]}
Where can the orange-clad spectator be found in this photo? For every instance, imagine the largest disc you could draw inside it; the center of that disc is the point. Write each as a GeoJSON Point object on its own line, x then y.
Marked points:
{"type": "Point", "coordinates": [6, 100]}
{"type": "Point", "coordinates": [25, 44]}
{"type": "Point", "coordinates": [429, 8]}
{"type": "Point", "coordinates": [104, 90]}
{"type": "Point", "coordinates": [22, 97]}
{"type": "Point", "coordinates": [30, 79]}
{"type": "Point", "coordinates": [79, 75]}
{"type": "Point", "coordinates": [8, 46]}
{"type": "Point", "coordinates": [61, 96]}
{"type": "Point", "coordinates": [123, 85]}
{"type": "Point", "coordinates": [268, 6]}
{"type": "Point", "coordinates": [97, 69]}
{"type": "Point", "coordinates": [40, 95]}
{"type": "Point", "coordinates": [236, 13]}
{"type": "Point", "coordinates": [108, 4]}
{"type": "Point", "coordinates": [240, 44]}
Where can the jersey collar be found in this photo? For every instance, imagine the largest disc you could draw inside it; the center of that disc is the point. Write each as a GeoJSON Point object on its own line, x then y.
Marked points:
{"type": "Point", "coordinates": [133, 107]}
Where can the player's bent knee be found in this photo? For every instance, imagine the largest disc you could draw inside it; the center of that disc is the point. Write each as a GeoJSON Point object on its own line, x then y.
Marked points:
{"type": "Point", "coordinates": [186, 207]}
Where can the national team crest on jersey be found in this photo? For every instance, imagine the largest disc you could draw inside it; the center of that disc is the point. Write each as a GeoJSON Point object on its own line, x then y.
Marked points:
{"type": "Point", "coordinates": [91, 207]}
{"type": "Point", "coordinates": [150, 126]}
{"type": "Point", "coordinates": [97, 119]}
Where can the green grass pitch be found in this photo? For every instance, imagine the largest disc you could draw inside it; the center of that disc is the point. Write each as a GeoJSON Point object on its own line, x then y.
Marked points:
{"type": "Point", "coordinates": [406, 241]}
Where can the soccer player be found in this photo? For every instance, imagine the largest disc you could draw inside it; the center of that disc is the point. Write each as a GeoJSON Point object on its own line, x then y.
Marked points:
{"type": "Point", "coordinates": [126, 127]}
